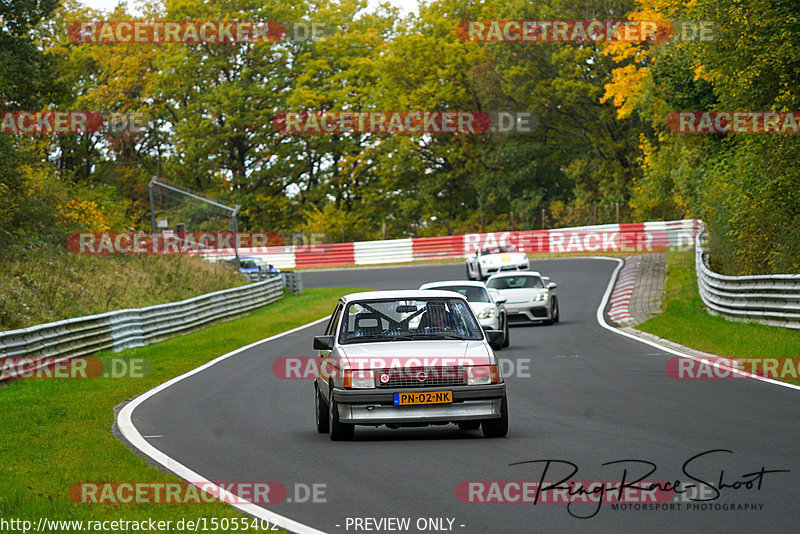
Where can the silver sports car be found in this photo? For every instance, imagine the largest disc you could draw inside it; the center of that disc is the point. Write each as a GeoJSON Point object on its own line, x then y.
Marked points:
{"type": "Point", "coordinates": [530, 297]}
{"type": "Point", "coordinates": [487, 305]}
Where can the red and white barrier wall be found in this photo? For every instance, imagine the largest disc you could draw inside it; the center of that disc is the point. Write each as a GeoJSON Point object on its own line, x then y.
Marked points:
{"type": "Point", "coordinates": [630, 237]}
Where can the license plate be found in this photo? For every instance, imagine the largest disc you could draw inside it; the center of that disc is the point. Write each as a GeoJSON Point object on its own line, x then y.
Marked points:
{"type": "Point", "coordinates": [423, 397]}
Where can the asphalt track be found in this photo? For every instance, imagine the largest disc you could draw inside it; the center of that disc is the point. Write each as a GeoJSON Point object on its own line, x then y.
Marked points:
{"type": "Point", "coordinates": [591, 397]}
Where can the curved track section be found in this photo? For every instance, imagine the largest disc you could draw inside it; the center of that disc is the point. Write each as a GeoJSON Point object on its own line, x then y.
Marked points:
{"type": "Point", "coordinates": [590, 397]}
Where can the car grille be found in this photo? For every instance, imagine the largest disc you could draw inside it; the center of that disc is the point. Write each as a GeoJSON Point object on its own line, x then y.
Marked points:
{"type": "Point", "coordinates": [431, 376]}
{"type": "Point", "coordinates": [510, 268]}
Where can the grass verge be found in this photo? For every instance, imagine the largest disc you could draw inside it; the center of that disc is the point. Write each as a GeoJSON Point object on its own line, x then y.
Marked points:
{"type": "Point", "coordinates": [48, 283]}
{"type": "Point", "coordinates": [685, 321]}
{"type": "Point", "coordinates": [56, 433]}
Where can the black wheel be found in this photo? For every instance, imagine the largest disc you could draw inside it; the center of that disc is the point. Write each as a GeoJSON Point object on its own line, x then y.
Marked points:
{"type": "Point", "coordinates": [497, 428]}
{"type": "Point", "coordinates": [557, 311]}
{"type": "Point", "coordinates": [480, 273]}
{"type": "Point", "coordinates": [320, 412]}
{"type": "Point", "coordinates": [552, 314]}
{"type": "Point", "coordinates": [469, 273]}
{"type": "Point", "coordinates": [506, 339]}
{"type": "Point", "coordinates": [469, 425]}
{"type": "Point", "coordinates": [336, 430]}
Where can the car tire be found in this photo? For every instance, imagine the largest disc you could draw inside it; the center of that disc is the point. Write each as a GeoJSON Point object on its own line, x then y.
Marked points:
{"type": "Point", "coordinates": [321, 412]}
{"type": "Point", "coordinates": [469, 273]}
{"type": "Point", "coordinates": [497, 428]}
{"type": "Point", "coordinates": [469, 425]}
{"type": "Point", "coordinates": [506, 338]}
{"type": "Point", "coordinates": [557, 312]}
{"type": "Point", "coordinates": [480, 274]}
{"type": "Point", "coordinates": [552, 313]}
{"type": "Point", "coordinates": [336, 430]}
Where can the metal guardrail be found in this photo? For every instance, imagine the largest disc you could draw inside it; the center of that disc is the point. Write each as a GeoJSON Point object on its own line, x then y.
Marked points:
{"type": "Point", "coordinates": [768, 299]}
{"type": "Point", "coordinates": [44, 344]}
{"type": "Point", "coordinates": [293, 281]}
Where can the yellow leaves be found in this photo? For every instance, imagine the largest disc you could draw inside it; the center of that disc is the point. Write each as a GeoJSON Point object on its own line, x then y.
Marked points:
{"type": "Point", "coordinates": [625, 88]}
{"type": "Point", "coordinates": [85, 213]}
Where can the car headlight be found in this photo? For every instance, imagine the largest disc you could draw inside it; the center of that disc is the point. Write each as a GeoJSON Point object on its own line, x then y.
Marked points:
{"type": "Point", "coordinates": [359, 379]}
{"type": "Point", "coordinates": [540, 297]}
{"type": "Point", "coordinates": [482, 374]}
{"type": "Point", "coordinates": [488, 313]}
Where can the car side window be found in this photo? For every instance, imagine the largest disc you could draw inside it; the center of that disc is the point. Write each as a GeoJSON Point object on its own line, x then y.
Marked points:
{"type": "Point", "coordinates": [334, 320]}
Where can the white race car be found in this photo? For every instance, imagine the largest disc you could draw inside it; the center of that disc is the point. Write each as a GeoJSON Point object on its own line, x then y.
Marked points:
{"type": "Point", "coordinates": [487, 305]}
{"type": "Point", "coordinates": [494, 259]}
{"type": "Point", "coordinates": [531, 296]}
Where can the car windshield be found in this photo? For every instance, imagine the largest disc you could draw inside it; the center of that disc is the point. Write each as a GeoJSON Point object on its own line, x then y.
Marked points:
{"type": "Point", "coordinates": [472, 293]}
{"type": "Point", "coordinates": [515, 282]}
{"type": "Point", "coordinates": [404, 319]}
{"type": "Point", "coordinates": [248, 264]}
{"type": "Point", "coordinates": [497, 249]}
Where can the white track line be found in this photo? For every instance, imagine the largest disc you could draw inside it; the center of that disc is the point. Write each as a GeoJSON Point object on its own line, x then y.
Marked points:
{"type": "Point", "coordinates": [602, 322]}
{"type": "Point", "coordinates": [130, 432]}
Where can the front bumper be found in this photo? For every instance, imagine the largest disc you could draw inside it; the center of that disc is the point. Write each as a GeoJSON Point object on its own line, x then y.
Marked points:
{"type": "Point", "coordinates": [371, 407]}
{"type": "Point", "coordinates": [492, 269]}
{"type": "Point", "coordinates": [532, 312]}
{"type": "Point", "coordinates": [491, 324]}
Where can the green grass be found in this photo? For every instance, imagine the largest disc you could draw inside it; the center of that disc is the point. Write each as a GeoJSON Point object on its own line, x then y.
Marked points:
{"type": "Point", "coordinates": [56, 433]}
{"type": "Point", "coordinates": [685, 321]}
{"type": "Point", "coordinates": [47, 283]}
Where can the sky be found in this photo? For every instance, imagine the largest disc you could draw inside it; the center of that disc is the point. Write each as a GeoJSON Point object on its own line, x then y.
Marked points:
{"type": "Point", "coordinates": [108, 5]}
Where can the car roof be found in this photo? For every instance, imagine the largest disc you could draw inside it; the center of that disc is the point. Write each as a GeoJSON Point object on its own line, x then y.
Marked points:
{"type": "Point", "coordinates": [409, 294]}
{"type": "Point", "coordinates": [473, 283]}
{"type": "Point", "coordinates": [514, 273]}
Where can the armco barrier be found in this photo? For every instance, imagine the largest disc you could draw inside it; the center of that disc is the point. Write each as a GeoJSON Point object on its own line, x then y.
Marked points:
{"type": "Point", "coordinates": [767, 299]}
{"type": "Point", "coordinates": [71, 338]}
{"type": "Point", "coordinates": [633, 237]}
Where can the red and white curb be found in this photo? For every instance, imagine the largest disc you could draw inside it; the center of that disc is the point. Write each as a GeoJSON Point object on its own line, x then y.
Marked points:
{"type": "Point", "coordinates": [623, 289]}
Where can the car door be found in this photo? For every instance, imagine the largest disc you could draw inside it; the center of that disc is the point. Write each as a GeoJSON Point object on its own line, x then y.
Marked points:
{"type": "Point", "coordinates": [325, 364]}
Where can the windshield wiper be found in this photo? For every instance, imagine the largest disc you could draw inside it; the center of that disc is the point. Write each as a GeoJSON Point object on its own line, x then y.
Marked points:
{"type": "Point", "coordinates": [380, 338]}
{"type": "Point", "coordinates": [441, 335]}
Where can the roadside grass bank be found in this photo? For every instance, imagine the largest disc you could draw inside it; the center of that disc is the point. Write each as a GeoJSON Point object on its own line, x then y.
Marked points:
{"type": "Point", "coordinates": [684, 320]}
{"type": "Point", "coordinates": [46, 283]}
{"type": "Point", "coordinates": [56, 433]}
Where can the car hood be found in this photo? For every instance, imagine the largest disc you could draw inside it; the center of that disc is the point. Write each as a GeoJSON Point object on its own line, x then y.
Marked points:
{"type": "Point", "coordinates": [400, 354]}
{"type": "Point", "coordinates": [478, 307]}
{"type": "Point", "coordinates": [504, 257]}
{"type": "Point", "coordinates": [520, 295]}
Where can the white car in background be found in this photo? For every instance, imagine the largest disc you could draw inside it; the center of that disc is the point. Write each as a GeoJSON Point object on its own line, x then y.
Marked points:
{"type": "Point", "coordinates": [495, 259]}
{"type": "Point", "coordinates": [531, 296]}
{"type": "Point", "coordinates": [487, 305]}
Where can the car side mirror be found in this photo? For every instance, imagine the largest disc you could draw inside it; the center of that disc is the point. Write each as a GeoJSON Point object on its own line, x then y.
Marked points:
{"type": "Point", "coordinates": [501, 300]}
{"type": "Point", "coordinates": [323, 342]}
{"type": "Point", "coordinates": [552, 285]}
{"type": "Point", "coordinates": [495, 338]}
